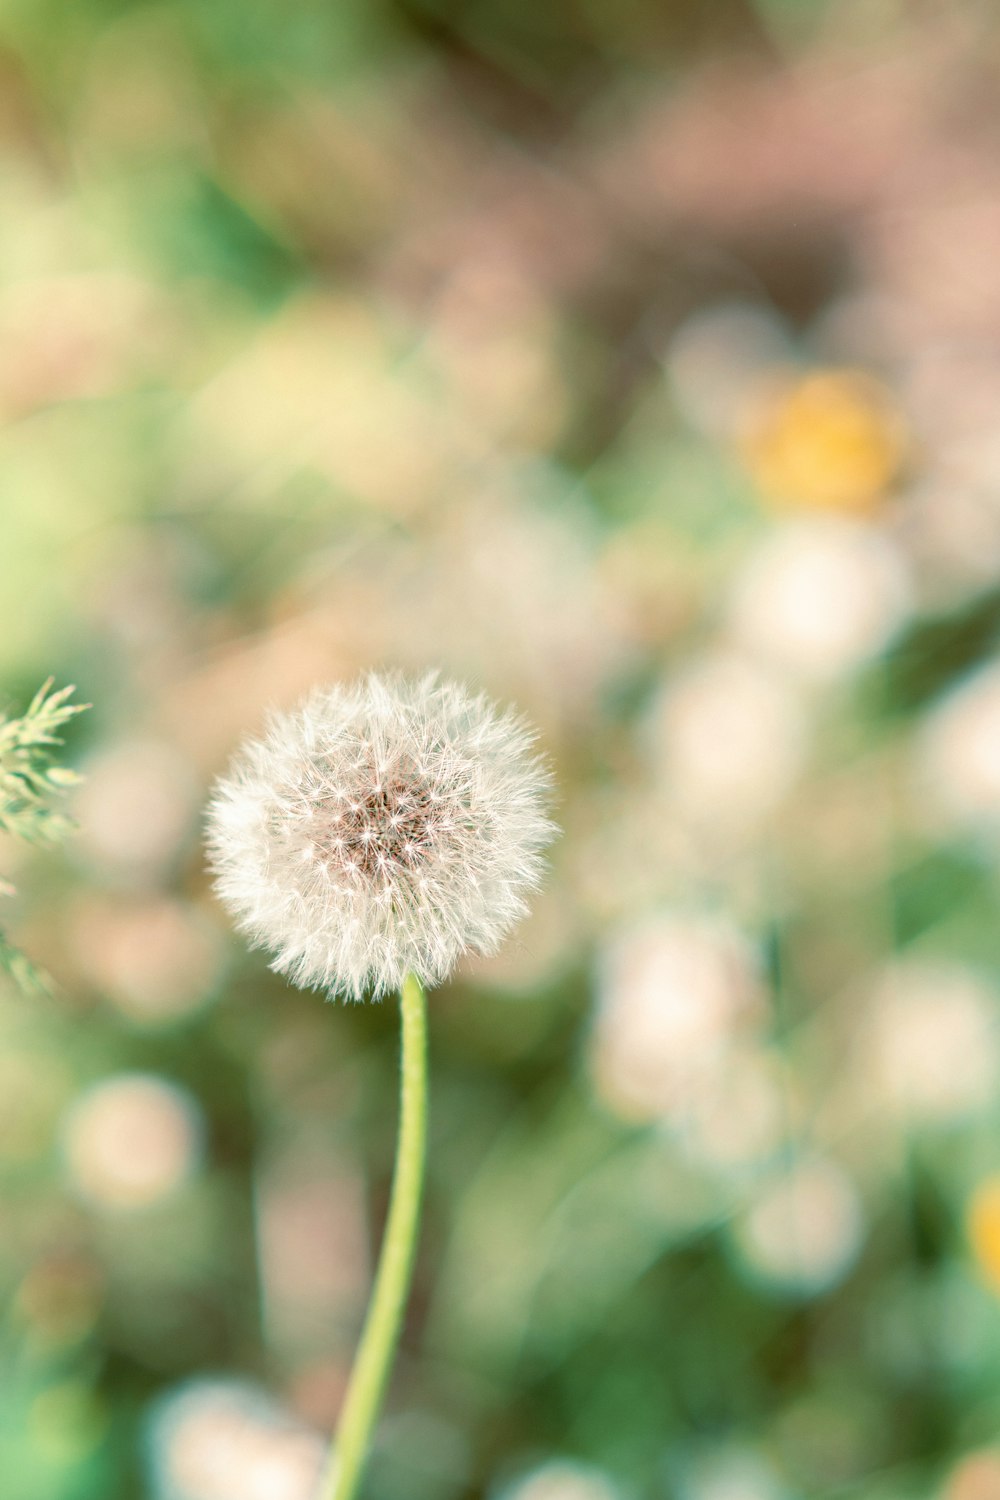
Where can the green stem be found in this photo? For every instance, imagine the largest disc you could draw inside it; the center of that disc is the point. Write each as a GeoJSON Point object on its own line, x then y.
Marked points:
{"type": "Point", "coordinates": [392, 1279]}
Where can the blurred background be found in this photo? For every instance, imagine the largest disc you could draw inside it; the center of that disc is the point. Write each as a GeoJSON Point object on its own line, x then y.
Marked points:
{"type": "Point", "coordinates": [640, 364]}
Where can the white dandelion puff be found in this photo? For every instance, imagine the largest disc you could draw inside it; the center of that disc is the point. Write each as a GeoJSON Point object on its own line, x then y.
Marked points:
{"type": "Point", "coordinates": [381, 829]}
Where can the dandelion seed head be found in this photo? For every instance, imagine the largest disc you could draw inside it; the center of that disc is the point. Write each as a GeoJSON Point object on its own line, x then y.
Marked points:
{"type": "Point", "coordinates": [380, 829]}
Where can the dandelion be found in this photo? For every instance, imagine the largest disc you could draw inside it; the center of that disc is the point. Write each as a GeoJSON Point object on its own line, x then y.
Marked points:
{"type": "Point", "coordinates": [381, 830]}
{"type": "Point", "coordinates": [368, 840]}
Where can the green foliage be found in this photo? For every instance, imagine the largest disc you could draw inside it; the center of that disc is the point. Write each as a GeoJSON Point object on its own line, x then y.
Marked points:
{"type": "Point", "coordinates": [937, 650]}
{"type": "Point", "coordinates": [31, 783]}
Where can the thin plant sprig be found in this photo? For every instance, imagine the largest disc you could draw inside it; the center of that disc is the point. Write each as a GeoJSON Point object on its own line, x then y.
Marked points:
{"type": "Point", "coordinates": [369, 839]}
{"type": "Point", "coordinates": [30, 775]}
{"type": "Point", "coordinates": [380, 1335]}
{"type": "Point", "coordinates": [31, 783]}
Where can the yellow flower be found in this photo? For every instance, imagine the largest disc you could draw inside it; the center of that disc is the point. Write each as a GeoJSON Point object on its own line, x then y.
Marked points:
{"type": "Point", "coordinates": [983, 1224]}
{"type": "Point", "coordinates": [833, 439]}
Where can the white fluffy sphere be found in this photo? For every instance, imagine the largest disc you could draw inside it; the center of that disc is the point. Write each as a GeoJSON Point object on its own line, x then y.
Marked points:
{"type": "Point", "coordinates": [381, 829]}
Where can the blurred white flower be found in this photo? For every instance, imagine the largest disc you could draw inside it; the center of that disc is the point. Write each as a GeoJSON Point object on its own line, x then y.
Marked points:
{"type": "Point", "coordinates": [381, 829]}
{"type": "Point", "coordinates": [934, 1042]}
{"type": "Point", "coordinates": [674, 992]}
{"type": "Point", "coordinates": [227, 1440]}
{"type": "Point", "coordinates": [957, 754]}
{"type": "Point", "coordinates": [804, 1229]}
{"type": "Point", "coordinates": [728, 737]}
{"type": "Point", "coordinates": [730, 1473]}
{"type": "Point", "coordinates": [131, 1140]}
{"type": "Point", "coordinates": [820, 597]}
{"type": "Point", "coordinates": [561, 1479]}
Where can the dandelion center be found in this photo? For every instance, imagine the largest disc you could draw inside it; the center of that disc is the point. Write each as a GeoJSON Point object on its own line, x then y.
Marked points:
{"type": "Point", "coordinates": [385, 825]}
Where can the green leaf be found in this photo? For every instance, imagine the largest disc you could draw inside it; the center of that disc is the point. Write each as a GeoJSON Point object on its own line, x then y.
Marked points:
{"type": "Point", "coordinates": [29, 777]}
{"type": "Point", "coordinates": [30, 784]}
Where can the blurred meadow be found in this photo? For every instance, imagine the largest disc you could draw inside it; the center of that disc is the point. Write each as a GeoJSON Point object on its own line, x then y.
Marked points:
{"type": "Point", "coordinates": [640, 364]}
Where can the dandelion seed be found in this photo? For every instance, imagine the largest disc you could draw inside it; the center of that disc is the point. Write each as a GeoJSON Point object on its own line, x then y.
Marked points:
{"type": "Point", "coordinates": [381, 829]}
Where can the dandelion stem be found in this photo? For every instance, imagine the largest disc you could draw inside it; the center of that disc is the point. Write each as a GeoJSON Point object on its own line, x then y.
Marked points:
{"type": "Point", "coordinates": [380, 1335]}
